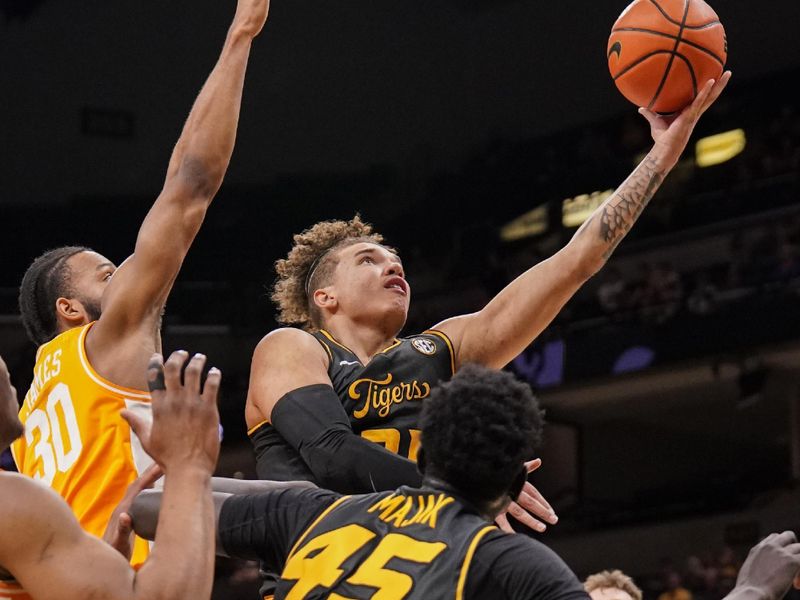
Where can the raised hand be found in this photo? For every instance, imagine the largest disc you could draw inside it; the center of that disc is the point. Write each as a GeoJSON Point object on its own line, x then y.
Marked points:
{"type": "Point", "coordinates": [530, 502]}
{"type": "Point", "coordinates": [185, 428]}
{"type": "Point", "coordinates": [671, 133]}
{"type": "Point", "coordinates": [769, 569]}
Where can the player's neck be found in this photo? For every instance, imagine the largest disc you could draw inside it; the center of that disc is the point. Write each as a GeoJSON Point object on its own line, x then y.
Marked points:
{"type": "Point", "coordinates": [365, 341]}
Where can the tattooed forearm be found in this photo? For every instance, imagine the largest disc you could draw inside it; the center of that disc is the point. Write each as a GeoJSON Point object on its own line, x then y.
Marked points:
{"type": "Point", "coordinates": [619, 214]}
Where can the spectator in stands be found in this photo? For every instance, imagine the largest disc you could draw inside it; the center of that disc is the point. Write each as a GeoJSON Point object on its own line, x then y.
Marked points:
{"type": "Point", "coordinates": [611, 585]}
{"type": "Point", "coordinates": [674, 587]}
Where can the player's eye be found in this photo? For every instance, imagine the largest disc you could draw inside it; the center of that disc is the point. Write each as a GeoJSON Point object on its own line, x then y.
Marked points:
{"type": "Point", "coordinates": [366, 259]}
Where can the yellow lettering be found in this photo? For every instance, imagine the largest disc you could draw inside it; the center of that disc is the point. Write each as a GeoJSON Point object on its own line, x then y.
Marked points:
{"type": "Point", "coordinates": [388, 505]}
{"type": "Point", "coordinates": [318, 563]}
{"type": "Point", "coordinates": [400, 515]}
{"type": "Point", "coordinates": [432, 510]}
{"type": "Point", "coordinates": [56, 363]}
{"type": "Point", "coordinates": [420, 510]}
{"type": "Point", "coordinates": [355, 394]}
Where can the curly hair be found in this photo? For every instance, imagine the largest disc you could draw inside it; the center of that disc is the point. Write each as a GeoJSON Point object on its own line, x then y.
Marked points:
{"type": "Point", "coordinates": [612, 579]}
{"type": "Point", "coordinates": [310, 264]}
{"type": "Point", "coordinates": [478, 429]}
{"type": "Point", "coordinates": [46, 279]}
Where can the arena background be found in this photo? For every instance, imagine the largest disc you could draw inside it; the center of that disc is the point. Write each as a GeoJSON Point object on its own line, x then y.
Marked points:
{"type": "Point", "coordinates": [671, 381]}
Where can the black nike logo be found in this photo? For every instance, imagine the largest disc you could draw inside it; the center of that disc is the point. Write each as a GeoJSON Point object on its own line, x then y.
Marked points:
{"type": "Point", "coordinates": [615, 48]}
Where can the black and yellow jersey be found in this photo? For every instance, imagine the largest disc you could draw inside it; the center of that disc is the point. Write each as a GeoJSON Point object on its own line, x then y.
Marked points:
{"type": "Point", "coordinates": [382, 399]}
{"type": "Point", "coordinates": [410, 544]}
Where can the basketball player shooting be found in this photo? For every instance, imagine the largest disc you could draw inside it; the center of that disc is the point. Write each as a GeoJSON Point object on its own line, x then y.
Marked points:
{"type": "Point", "coordinates": [336, 399]}
{"type": "Point", "coordinates": [97, 325]}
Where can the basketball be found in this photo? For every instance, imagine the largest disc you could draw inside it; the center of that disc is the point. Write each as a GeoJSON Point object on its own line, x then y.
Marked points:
{"type": "Point", "coordinates": [661, 52]}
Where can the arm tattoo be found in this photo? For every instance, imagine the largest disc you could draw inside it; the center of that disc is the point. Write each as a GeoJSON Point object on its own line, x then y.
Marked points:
{"type": "Point", "coordinates": [618, 217]}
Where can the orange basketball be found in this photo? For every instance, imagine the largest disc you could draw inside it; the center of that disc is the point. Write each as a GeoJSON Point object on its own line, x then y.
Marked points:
{"type": "Point", "coordinates": [661, 51]}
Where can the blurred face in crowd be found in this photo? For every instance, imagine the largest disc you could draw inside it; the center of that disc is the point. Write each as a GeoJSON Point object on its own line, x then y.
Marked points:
{"type": "Point", "coordinates": [609, 593]}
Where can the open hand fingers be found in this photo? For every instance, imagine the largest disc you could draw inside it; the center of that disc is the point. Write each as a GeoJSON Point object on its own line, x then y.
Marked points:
{"type": "Point", "coordinates": [535, 502]}
{"type": "Point", "coordinates": [146, 480]}
{"type": "Point", "coordinates": [193, 373]}
{"type": "Point", "coordinates": [211, 388]}
{"type": "Point", "coordinates": [155, 375]}
{"type": "Point", "coordinates": [532, 465]}
{"type": "Point", "coordinates": [172, 369]}
{"type": "Point", "coordinates": [502, 523]}
{"type": "Point", "coordinates": [716, 90]}
{"type": "Point", "coordinates": [140, 426]}
{"type": "Point", "coordinates": [524, 517]}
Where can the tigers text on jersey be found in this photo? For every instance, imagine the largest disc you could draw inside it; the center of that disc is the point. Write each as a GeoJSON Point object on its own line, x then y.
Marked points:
{"type": "Point", "coordinates": [382, 399]}
{"type": "Point", "coordinates": [75, 440]}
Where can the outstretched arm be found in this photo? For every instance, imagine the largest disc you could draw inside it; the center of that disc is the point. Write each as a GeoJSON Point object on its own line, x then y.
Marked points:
{"type": "Point", "coordinates": [138, 290]}
{"type": "Point", "coordinates": [520, 312]}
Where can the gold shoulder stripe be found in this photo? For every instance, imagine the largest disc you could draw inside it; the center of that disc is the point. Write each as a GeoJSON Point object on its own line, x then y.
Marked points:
{"type": "Point", "coordinates": [447, 341]}
{"type": "Point", "coordinates": [255, 428]}
{"type": "Point", "coordinates": [394, 345]}
{"type": "Point", "coordinates": [314, 524]}
{"type": "Point", "coordinates": [462, 578]}
{"type": "Point", "coordinates": [324, 345]}
{"type": "Point", "coordinates": [333, 339]}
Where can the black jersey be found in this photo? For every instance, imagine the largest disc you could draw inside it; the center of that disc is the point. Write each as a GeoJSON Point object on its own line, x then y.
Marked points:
{"type": "Point", "coordinates": [410, 544]}
{"type": "Point", "coordinates": [382, 399]}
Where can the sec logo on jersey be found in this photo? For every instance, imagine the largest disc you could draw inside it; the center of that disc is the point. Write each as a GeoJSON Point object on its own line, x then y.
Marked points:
{"type": "Point", "coordinates": [424, 346]}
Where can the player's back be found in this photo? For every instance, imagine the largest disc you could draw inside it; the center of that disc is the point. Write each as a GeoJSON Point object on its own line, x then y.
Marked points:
{"type": "Point", "coordinates": [414, 544]}
{"type": "Point", "coordinates": [75, 440]}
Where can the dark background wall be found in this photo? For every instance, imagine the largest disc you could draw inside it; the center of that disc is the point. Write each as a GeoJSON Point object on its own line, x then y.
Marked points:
{"type": "Point", "coordinates": [331, 86]}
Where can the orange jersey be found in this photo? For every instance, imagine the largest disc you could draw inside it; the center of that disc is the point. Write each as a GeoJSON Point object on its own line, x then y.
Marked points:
{"type": "Point", "coordinates": [75, 440]}
{"type": "Point", "coordinates": [10, 590]}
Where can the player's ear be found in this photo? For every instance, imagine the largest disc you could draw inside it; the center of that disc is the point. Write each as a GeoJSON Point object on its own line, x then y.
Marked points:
{"type": "Point", "coordinates": [324, 298]}
{"type": "Point", "coordinates": [519, 482]}
{"type": "Point", "coordinates": [421, 461]}
{"type": "Point", "coordinates": [69, 310]}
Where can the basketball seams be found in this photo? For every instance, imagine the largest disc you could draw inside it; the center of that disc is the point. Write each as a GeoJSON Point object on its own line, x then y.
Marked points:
{"type": "Point", "coordinates": [656, 32]}
{"type": "Point", "coordinates": [640, 60]}
{"type": "Point", "coordinates": [672, 37]}
{"type": "Point", "coordinates": [704, 25]}
{"type": "Point", "coordinates": [672, 56]}
{"type": "Point", "coordinates": [665, 15]}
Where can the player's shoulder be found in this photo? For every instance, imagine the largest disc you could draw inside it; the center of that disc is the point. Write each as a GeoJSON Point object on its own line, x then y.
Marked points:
{"type": "Point", "coordinates": [519, 562]}
{"type": "Point", "coordinates": [285, 340]}
{"type": "Point", "coordinates": [25, 503]}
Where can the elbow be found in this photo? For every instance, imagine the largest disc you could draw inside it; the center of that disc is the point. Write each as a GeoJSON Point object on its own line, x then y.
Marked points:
{"type": "Point", "coordinates": [200, 177]}
{"type": "Point", "coordinates": [589, 267]}
{"type": "Point", "coordinates": [582, 266]}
